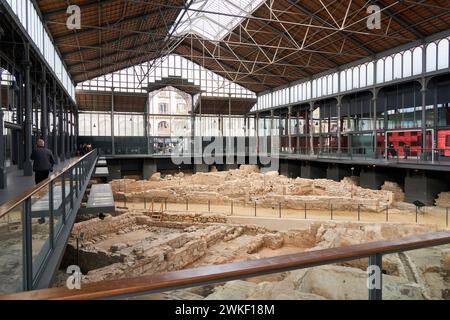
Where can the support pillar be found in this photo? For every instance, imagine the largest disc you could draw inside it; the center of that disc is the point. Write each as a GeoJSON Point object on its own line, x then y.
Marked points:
{"type": "Point", "coordinates": [44, 110]}
{"type": "Point", "coordinates": [62, 152]}
{"type": "Point", "coordinates": [20, 105]}
{"type": "Point", "coordinates": [423, 121]}
{"type": "Point", "coordinates": [149, 168]}
{"type": "Point", "coordinates": [28, 126]}
{"type": "Point", "coordinates": [67, 132]}
{"type": "Point", "coordinates": [372, 178]}
{"type": "Point", "coordinates": [313, 170]}
{"type": "Point", "coordinates": [289, 129]}
{"type": "Point", "coordinates": [290, 168]}
{"type": "Point", "coordinates": [113, 140]}
{"type": "Point", "coordinates": [424, 186]}
{"type": "Point", "coordinates": [339, 127]}
{"type": "Point", "coordinates": [55, 126]}
{"type": "Point", "coordinates": [337, 173]}
{"type": "Point", "coordinates": [311, 128]}
{"type": "Point", "coordinates": [3, 179]}
{"type": "Point", "coordinates": [374, 125]}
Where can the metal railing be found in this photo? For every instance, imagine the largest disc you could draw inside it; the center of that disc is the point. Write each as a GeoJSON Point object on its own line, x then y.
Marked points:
{"type": "Point", "coordinates": [354, 212]}
{"type": "Point", "coordinates": [35, 226]}
{"type": "Point", "coordinates": [216, 274]}
{"type": "Point", "coordinates": [396, 155]}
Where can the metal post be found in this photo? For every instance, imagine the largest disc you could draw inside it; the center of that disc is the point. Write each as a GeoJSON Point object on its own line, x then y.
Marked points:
{"type": "Point", "coordinates": [305, 210]}
{"type": "Point", "coordinates": [209, 205]}
{"type": "Point", "coordinates": [27, 246]}
{"type": "Point", "coordinates": [359, 212]}
{"type": "Point", "coordinates": [375, 283]}
{"type": "Point", "coordinates": [3, 178]}
{"type": "Point", "coordinates": [417, 212]}
{"type": "Point", "coordinates": [446, 217]}
{"type": "Point", "coordinates": [279, 209]}
{"type": "Point", "coordinates": [232, 207]}
{"type": "Point", "coordinates": [187, 205]}
{"type": "Point", "coordinates": [55, 127]}
{"type": "Point", "coordinates": [44, 110]}
{"type": "Point", "coordinates": [51, 219]}
{"type": "Point", "coordinates": [255, 208]}
{"type": "Point", "coordinates": [63, 198]}
{"type": "Point", "coordinates": [387, 213]}
{"type": "Point", "coordinates": [28, 129]}
{"type": "Point", "coordinates": [62, 152]}
{"type": "Point", "coordinates": [331, 212]}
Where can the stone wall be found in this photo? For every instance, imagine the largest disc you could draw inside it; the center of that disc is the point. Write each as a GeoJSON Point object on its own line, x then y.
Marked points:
{"type": "Point", "coordinates": [246, 186]}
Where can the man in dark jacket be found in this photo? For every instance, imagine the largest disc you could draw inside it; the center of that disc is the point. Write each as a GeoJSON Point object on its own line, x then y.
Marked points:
{"type": "Point", "coordinates": [43, 162]}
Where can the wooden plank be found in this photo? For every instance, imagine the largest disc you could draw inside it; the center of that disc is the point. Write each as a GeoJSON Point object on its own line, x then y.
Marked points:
{"type": "Point", "coordinates": [232, 271]}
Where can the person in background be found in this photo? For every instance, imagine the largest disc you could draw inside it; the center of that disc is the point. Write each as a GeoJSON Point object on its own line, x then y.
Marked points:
{"type": "Point", "coordinates": [406, 151]}
{"type": "Point", "coordinates": [43, 161]}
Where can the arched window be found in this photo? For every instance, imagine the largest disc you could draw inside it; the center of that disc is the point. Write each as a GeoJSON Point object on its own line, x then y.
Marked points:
{"type": "Point", "coordinates": [343, 82]}
{"type": "Point", "coordinates": [398, 66]}
{"type": "Point", "coordinates": [163, 125]}
{"type": "Point", "coordinates": [335, 83]}
{"type": "Point", "coordinates": [380, 71]}
{"type": "Point", "coordinates": [314, 88]}
{"type": "Point", "coordinates": [319, 87]}
{"type": "Point", "coordinates": [370, 73]}
{"type": "Point", "coordinates": [388, 69]}
{"type": "Point", "coordinates": [443, 52]}
{"type": "Point", "coordinates": [363, 76]}
{"type": "Point", "coordinates": [417, 61]}
{"type": "Point", "coordinates": [407, 63]}
{"type": "Point", "coordinates": [349, 79]}
{"type": "Point", "coordinates": [355, 77]}
{"type": "Point", "coordinates": [431, 57]}
{"type": "Point", "coordinates": [330, 84]}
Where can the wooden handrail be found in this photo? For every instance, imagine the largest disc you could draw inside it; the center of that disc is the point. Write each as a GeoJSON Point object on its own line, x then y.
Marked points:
{"type": "Point", "coordinates": [11, 204]}
{"type": "Point", "coordinates": [239, 270]}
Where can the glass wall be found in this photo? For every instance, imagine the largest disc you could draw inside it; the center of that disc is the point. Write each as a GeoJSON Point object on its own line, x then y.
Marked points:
{"type": "Point", "coordinates": [29, 17]}
{"type": "Point", "coordinates": [137, 78]}
{"type": "Point", "coordinates": [393, 67]}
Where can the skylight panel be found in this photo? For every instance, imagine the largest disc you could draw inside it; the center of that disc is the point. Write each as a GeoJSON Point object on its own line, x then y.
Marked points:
{"type": "Point", "coordinates": [214, 19]}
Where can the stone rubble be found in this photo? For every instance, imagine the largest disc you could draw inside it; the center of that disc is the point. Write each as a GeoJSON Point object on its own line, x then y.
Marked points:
{"type": "Point", "coordinates": [247, 186]}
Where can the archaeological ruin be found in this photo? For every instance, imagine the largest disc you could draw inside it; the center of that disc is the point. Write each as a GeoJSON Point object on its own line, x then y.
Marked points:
{"type": "Point", "coordinates": [186, 221]}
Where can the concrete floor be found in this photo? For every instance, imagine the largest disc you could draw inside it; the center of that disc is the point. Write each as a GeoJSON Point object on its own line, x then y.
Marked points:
{"type": "Point", "coordinates": [17, 183]}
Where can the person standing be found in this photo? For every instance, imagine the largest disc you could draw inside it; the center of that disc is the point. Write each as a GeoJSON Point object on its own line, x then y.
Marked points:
{"type": "Point", "coordinates": [43, 162]}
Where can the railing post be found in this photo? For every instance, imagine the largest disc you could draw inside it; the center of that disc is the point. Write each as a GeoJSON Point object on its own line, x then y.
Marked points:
{"type": "Point", "coordinates": [51, 219]}
{"type": "Point", "coordinates": [375, 277]}
{"type": "Point", "coordinates": [359, 212]}
{"type": "Point", "coordinates": [255, 208]}
{"type": "Point", "coordinates": [71, 188]}
{"type": "Point", "coordinates": [446, 217]}
{"type": "Point", "coordinates": [305, 210]}
{"type": "Point", "coordinates": [209, 205]}
{"type": "Point", "coordinates": [232, 207]}
{"type": "Point", "coordinates": [279, 209]}
{"type": "Point", "coordinates": [417, 212]}
{"type": "Point", "coordinates": [63, 198]}
{"type": "Point", "coordinates": [387, 213]}
{"type": "Point", "coordinates": [27, 254]}
{"type": "Point", "coordinates": [331, 211]}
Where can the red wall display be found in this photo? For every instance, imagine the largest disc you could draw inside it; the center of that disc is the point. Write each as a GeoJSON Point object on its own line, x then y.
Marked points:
{"type": "Point", "coordinates": [411, 138]}
{"type": "Point", "coordinates": [443, 142]}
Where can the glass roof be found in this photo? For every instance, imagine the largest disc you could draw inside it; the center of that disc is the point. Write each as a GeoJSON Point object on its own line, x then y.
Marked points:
{"type": "Point", "coordinates": [214, 19]}
{"type": "Point", "coordinates": [135, 79]}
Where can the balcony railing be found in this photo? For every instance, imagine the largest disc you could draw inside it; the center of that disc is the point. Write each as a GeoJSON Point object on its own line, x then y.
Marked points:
{"type": "Point", "coordinates": [35, 226]}
{"type": "Point", "coordinates": [144, 285]}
